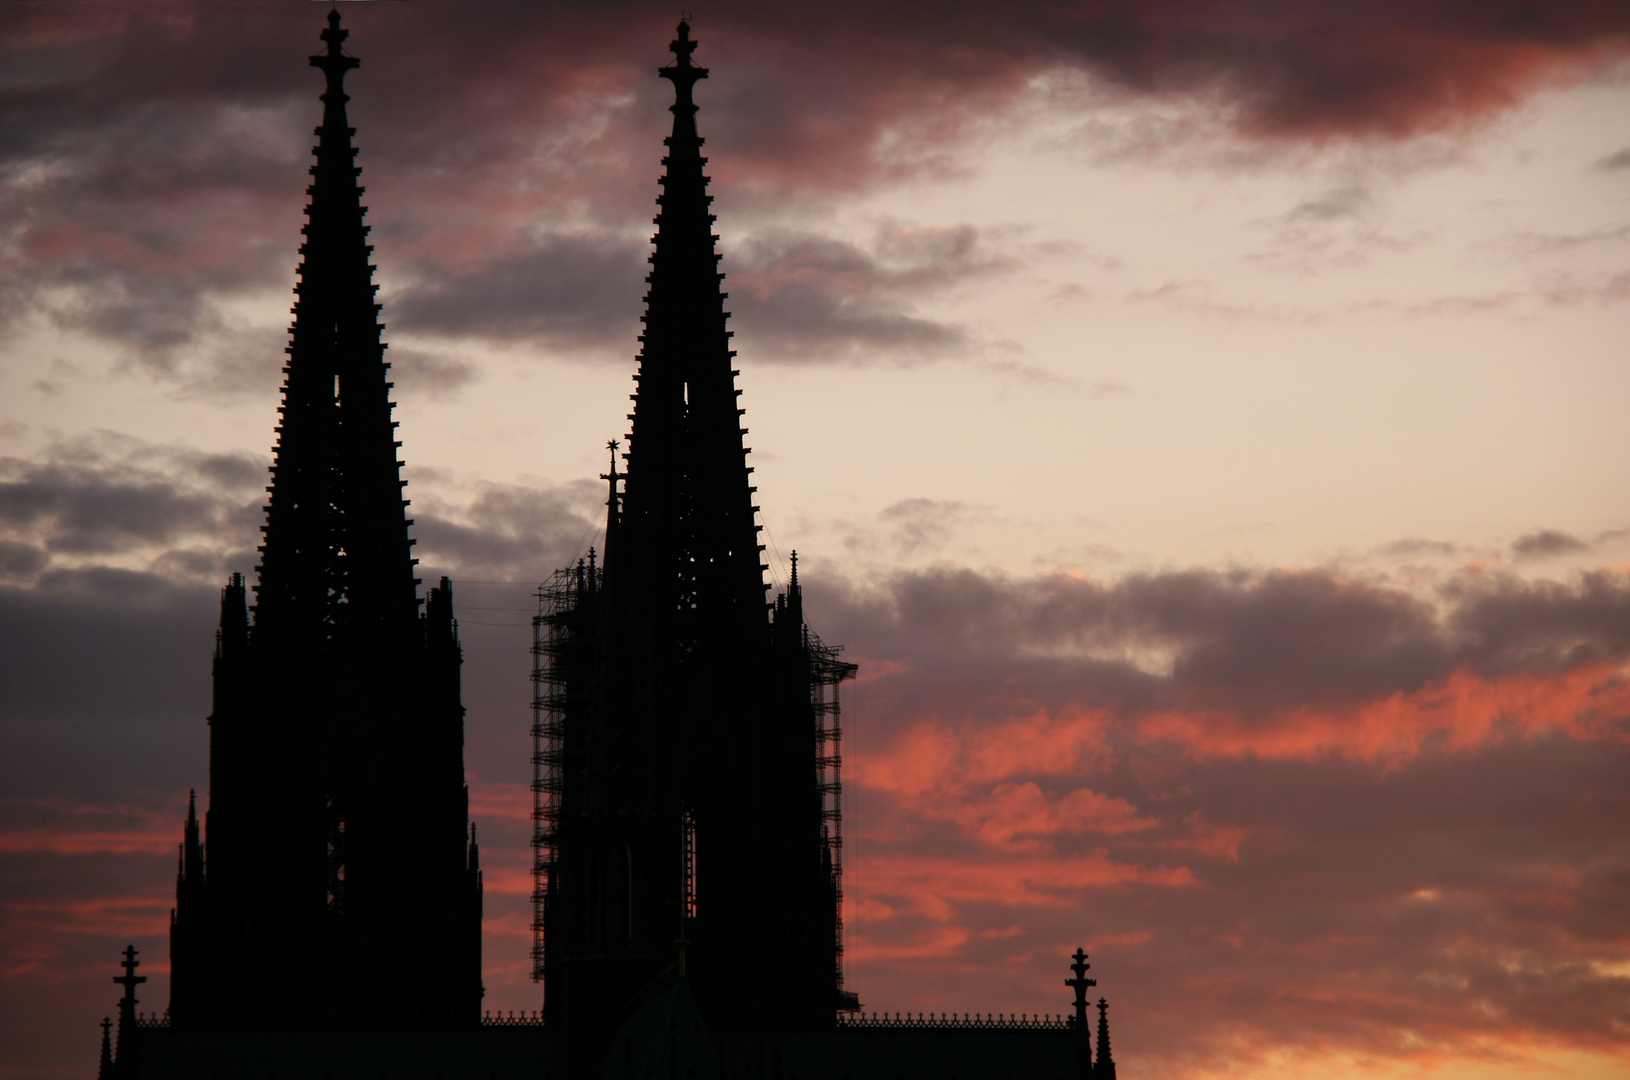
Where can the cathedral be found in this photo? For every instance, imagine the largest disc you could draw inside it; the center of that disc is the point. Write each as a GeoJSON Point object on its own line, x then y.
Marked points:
{"type": "Point", "coordinates": [686, 747]}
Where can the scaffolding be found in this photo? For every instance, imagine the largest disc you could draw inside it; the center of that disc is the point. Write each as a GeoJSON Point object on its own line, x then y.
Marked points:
{"type": "Point", "coordinates": [553, 629]}
{"type": "Point", "coordinates": [565, 601]}
{"type": "Point", "coordinates": [826, 672]}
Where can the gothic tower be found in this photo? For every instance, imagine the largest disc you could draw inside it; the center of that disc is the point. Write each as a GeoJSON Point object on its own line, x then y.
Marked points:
{"type": "Point", "coordinates": [689, 823]}
{"type": "Point", "coordinates": [335, 882]}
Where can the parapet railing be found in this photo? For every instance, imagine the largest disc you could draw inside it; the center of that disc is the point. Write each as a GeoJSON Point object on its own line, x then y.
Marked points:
{"type": "Point", "coordinates": [987, 1021]}
{"type": "Point", "coordinates": [899, 1021]}
{"type": "Point", "coordinates": [513, 1019]}
{"type": "Point", "coordinates": [510, 1019]}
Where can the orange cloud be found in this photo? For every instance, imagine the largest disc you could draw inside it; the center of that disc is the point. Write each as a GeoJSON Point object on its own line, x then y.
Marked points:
{"type": "Point", "coordinates": [1459, 713]}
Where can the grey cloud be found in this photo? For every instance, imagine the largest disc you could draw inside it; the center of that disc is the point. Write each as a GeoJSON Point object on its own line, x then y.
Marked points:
{"type": "Point", "coordinates": [1413, 547]}
{"type": "Point", "coordinates": [151, 315]}
{"type": "Point", "coordinates": [919, 524]}
{"type": "Point", "coordinates": [793, 295]}
{"type": "Point", "coordinates": [1346, 201]}
{"type": "Point", "coordinates": [432, 375]}
{"type": "Point", "coordinates": [567, 290]}
{"type": "Point", "coordinates": [802, 296]}
{"type": "Point", "coordinates": [233, 362]}
{"type": "Point", "coordinates": [1509, 624]}
{"type": "Point", "coordinates": [106, 497]}
{"type": "Point", "coordinates": [232, 471]}
{"type": "Point", "coordinates": [1620, 160]}
{"type": "Point", "coordinates": [1255, 642]}
{"type": "Point", "coordinates": [20, 561]}
{"type": "Point", "coordinates": [508, 531]}
{"type": "Point", "coordinates": [114, 513]}
{"type": "Point", "coordinates": [1547, 543]}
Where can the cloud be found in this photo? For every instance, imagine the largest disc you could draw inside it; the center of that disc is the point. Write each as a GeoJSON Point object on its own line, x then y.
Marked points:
{"type": "Point", "coordinates": [1620, 160]}
{"type": "Point", "coordinates": [1371, 821]}
{"type": "Point", "coordinates": [794, 295]}
{"type": "Point", "coordinates": [564, 290]}
{"type": "Point", "coordinates": [1414, 547]}
{"type": "Point", "coordinates": [919, 525]}
{"type": "Point", "coordinates": [799, 295]}
{"type": "Point", "coordinates": [155, 154]}
{"type": "Point", "coordinates": [1325, 785]}
{"type": "Point", "coordinates": [1546, 544]}
{"type": "Point", "coordinates": [1299, 664]}
{"type": "Point", "coordinates": [509, 531]}
{"type": "Point", "coordinates": [106, 502]}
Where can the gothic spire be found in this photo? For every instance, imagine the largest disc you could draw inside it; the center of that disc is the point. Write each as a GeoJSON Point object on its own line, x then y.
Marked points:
{"type": "Point", "coordinates": [1104, 1069]}
{"type": "Point", "coordinates": [104, 1070]}
{"type": "Point", "coordinates": [687, 511]}
{"type": "Point", "coordinates": [336, 551]}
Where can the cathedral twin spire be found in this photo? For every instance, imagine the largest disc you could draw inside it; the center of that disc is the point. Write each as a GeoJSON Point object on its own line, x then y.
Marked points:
{"type": "Point", "coordinates": [336, 836]}
{"type": "Point", "coordinates": [689, 507]}
{"type": "Point", "coordinates": [336, 558]}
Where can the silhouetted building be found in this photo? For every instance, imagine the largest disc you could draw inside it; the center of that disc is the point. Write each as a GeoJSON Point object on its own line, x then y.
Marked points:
{"type": "Point", "coordinates": [688, 826]}
{"type": "Point", "coordinates": [684, 822]}
{"type": "Point", "coordinates": [336, 838]}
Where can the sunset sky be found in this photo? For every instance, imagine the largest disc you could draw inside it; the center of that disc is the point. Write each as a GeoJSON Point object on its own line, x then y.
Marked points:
{"type": "Point", "coordinates": [1204, 421]}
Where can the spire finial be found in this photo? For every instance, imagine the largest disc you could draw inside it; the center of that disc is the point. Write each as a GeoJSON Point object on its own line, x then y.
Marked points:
{"type": "Point", "coordinates": [1080, 984]}
{"type": "Point", "coordinates": [613, 476]}
{"type": "Point", "coordinates": [334, 63]}
{"type": "Point", "coordinates": [682, 73]}
{"type": "Point", "coordinates": [129, 980]}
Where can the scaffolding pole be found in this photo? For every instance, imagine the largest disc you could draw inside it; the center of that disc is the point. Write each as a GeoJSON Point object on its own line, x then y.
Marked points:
{"type": "Point", "coordinates": [826, 673]}
{"type": "Point", "coordinates": [556, 598]}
